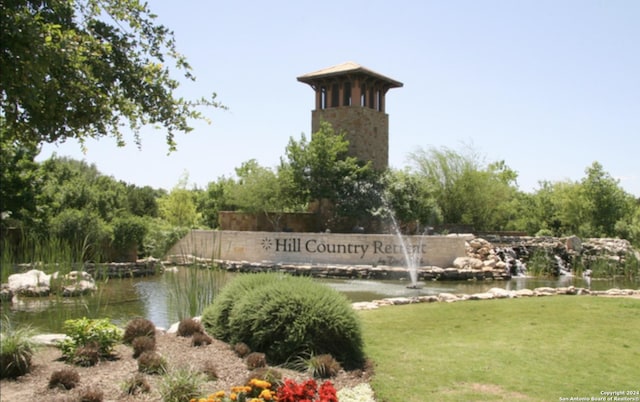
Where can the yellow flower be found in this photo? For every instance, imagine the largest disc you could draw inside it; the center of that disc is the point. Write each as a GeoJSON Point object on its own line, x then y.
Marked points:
{"type": "Point", "coordinates": [260, 383]}
{"type": "Point", "coordinates": [266, 395]}
{"type": "Point", "coordinates": [219, 394]}
{"type": "Point", "coordinates": [233, 396]}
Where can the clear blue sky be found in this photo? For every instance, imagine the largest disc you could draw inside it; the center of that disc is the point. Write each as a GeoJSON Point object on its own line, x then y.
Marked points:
{"type": "Point", "coordinates": [548, 86]}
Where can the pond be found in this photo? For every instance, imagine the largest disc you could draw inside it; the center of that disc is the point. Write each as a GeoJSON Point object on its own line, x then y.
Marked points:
{"type": "Point", "coordinates": [168, 297]}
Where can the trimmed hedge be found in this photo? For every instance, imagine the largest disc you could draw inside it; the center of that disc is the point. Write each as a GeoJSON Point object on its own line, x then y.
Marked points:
{"type": "Point", "coordinates": [286, 317]}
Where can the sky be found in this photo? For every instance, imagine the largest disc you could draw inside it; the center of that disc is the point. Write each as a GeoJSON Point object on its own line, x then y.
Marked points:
{"type": "Point", "coordinates": [547, 86]}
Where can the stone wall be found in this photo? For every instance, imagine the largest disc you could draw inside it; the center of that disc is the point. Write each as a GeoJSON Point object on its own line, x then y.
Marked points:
{"type": "Point", "coordinates": [319, 248]}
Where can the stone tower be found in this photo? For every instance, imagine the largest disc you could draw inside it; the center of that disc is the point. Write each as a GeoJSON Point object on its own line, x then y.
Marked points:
{"type": "Point", "coordinates": [352, 99]}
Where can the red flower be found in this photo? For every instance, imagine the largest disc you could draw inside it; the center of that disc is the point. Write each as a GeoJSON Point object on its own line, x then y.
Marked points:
{"type": "Point", "coordinates": [308, 391]}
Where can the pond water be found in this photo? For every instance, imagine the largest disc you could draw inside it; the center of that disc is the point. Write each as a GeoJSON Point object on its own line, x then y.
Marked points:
{"type": "Point", "coordinates": [168, 297]}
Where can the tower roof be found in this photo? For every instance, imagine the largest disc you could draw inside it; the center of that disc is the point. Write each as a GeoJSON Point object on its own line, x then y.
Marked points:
{"type": "Point", "coordinates": [344, 69]}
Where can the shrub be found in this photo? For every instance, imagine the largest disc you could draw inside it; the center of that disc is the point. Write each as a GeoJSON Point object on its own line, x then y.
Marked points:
{"type": "Point", "coordinates": [91, 395]}
{"type": "Point", "coordinates": [136, 384]}
{"type": "Point", "coordinates": [152, 363]}
{"type": "Point", "coordinates": [241, 349]}
{"type": "Point", "coordinates": [189, 326]}
{"type": "Point", "coordinates": [83, 332]}
{"type": "Point", "coordinates": [143, 344]}
{"type": "Point", "coordinates": [215, 317]}
{"type": "Point", "coordinates": [323, 366]}
{"type": "Point", "coordinates": [66, 378]}
{"type": "Point", "coordinates": [256, 360]}
{"type": "Point", "coordinates": [181, 385]}
{"type": "Point", "coordinates": [287, 317]}
{"type": "Point", "coordinates": [138, 327]}
{"type": "Point", "coordinates": [201, 339]}
{"type": "Point", "coordinates": [16, 350]}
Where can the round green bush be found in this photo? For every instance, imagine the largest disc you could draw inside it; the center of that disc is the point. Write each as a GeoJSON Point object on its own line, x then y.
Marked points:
{"type": "Point", "coordinates": [215, 317]}
{"type": "Point", "coordinates": [287, 317]}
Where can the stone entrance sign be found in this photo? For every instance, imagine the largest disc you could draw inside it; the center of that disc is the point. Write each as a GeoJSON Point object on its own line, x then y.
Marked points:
{"type": "Point", "coordinates": [320, 248]}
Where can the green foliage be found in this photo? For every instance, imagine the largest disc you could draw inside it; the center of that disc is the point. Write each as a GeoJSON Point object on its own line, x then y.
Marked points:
{"type": "Point", "coordinates": [410, 198]}
{"type": "Point", "coordinates": [191, 289]}
{"type": "Point", "coordinates": [128, 231]}
{"type": "Point", "coordinates": [540, 264]}
{"type": "Point", "coordinates": [213, 200]}
{"type": "Point", "coordinates": [19, 178]}
{"type": "Point", "coordinates": [286, 317]}
{"type": "Point", "coordinates": [181, 385]}
{"type": "Point", "coordinates": [85, 332]}
{"type": "Point", "coordinates": [179, 206]}
{"type": "Point", "coordinates": [467, 191]}
{"type": "Point", "coordinates": [215, 317]}
{"type": "Point", "coordinates": [321, 169]}
{"type": "Point", "coordinates": [161, 236]}
{"type": "Point", "coordinates": [90, 68]}
{"type": "Point", "coordinates": [16, 349]}
{"type": "Point", "coordinates": [261, 190]}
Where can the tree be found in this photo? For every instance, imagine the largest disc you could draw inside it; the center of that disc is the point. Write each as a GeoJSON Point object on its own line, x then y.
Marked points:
{"type": "Point", "coordinates": [19, 180]}
{"type": "Point", "coordinates": [179, 206]}
{"type": "Point", "coordinates": [607, 202]}
{"type": "Point", "coordinates": [260, 190]}
{"type": "Point", "coordinates": [83, 68]}
{"type": "Point", "coordinates": [321, 170]}
{"type": "Point", "coordinates": [409, 197]}
{"type": "Point", "coordinates": [467, 191]}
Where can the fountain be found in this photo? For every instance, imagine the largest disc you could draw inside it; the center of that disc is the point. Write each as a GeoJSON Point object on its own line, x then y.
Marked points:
{"type": "Point", "coordinates": [412, 259]}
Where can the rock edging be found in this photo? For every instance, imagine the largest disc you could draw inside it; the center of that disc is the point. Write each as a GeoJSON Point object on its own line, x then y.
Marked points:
{"type": "Point", "coordinates": [494, 293]}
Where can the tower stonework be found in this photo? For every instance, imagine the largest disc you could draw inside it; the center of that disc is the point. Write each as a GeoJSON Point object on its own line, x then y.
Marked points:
{"type": "Point", "coordinates": [352, 99]}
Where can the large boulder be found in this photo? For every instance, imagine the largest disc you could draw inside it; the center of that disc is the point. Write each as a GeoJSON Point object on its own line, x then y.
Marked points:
{"type": "Point", "coordinates": [31, 283]}
{"type": "Point", "coordinates": [77, 283]}
{"type": "Point", "coordinates": [468, 263]}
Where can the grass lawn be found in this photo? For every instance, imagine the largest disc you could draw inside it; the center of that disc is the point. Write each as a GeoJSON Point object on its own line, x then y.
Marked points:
{"type": "Point", "coordinates": [529, 349]}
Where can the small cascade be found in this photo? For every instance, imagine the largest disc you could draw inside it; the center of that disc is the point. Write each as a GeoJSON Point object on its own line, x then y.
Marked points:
{"type": "Point", "coordinates": [511, 258]}
{"type": "Point", "coordinates": [561, 267]}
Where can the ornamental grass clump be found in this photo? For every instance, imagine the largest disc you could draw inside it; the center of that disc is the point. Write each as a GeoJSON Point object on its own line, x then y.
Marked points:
{"type": "Point", "coordinates": [16, 350]}
{"type": "Point", "coordinates": [286, 317]}
{"type": "Point", "coordinates": [138, 327]}
{"type": "Point", "coordinates": [188, 327]}
{"type": "Point", "coordinates": [323, 366]}
{"type": "Point", "coordinates": [143, 344]}
{"type": "Point", "coordinates": [151, 362]}
{"type": "Point", "coordinates": [136, 384]}
{"type": "Point", "coordinates": [66, 379]}
{"type": "Point", "coordinates": [181, 385]}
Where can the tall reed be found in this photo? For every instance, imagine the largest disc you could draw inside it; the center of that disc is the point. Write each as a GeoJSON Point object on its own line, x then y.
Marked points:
{"type": "Point", "coordinates": [193, 288]}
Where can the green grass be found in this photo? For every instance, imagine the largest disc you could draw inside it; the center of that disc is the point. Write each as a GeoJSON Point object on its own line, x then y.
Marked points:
{"type": "Point", "coordinates": [534, 349]}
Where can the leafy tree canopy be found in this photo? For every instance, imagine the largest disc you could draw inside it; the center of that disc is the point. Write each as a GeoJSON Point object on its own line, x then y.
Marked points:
{"type": "Point", "coordinates": [86, 69]}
